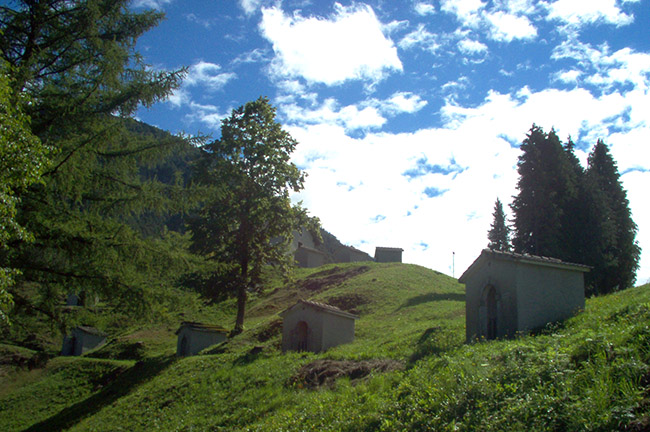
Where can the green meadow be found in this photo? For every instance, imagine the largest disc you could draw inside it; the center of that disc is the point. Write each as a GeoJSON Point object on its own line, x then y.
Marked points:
{"type": "Point", "coordinates": [408, 368]}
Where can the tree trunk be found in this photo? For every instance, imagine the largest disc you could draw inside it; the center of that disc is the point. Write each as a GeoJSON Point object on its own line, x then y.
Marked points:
{"type": "Point", "coordinates": [242, 295]}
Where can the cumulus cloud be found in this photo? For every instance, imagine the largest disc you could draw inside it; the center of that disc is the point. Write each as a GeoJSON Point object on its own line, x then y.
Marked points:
{"type": "Point", "coordinates": [472, 47]}
{"type": "Point", "coordinates": [578, 13]}
{"type": "Point", "coordinates": [466, 11]}
{"type": "Point", "coordinates": [151, 4]}
{"type": "Point", "coordinates": [350, 45]}
{"type": "Point", "coordinates": [208, 75]}
{"type": "Point", "coordinates": [420, 37]}
{"type": "Point", "coordinates": [461, 167]}
{"type": "Point", "coordinates": [422, 8]}
{"type": "Point", "coordinates": [404, 102]}
{"type": "Point", "coordinates": [250, 6]}
{"type": "Point", "coordinates": [605, 69]}
{"type": "Point", "coordinates": [505, 27]}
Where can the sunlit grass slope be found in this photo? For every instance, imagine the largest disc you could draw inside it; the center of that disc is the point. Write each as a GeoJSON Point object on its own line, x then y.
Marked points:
{"type": "Point", "coordinates": [590, 373]}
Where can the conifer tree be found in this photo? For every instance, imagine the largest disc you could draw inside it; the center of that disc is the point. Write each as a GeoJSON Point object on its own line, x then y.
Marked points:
{"type": "Point", "coordinates": [614, 253]}
{"type": "Point", "coordinates": [22, 160]}
{"type": "Point", "coordinates": [546, 185]}
{"type": "Point", "coordinates": [499, 234]}
{"type": "Point", "coordinates": [76, 61]}
{"type": "Point", "coordinates": [247, 211]}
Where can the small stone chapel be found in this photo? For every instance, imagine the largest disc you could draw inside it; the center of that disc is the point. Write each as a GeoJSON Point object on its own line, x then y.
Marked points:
{"type": "Point", "coordinates": [314, 326]}
{"type": "Point", "coordinates": [509, 293]}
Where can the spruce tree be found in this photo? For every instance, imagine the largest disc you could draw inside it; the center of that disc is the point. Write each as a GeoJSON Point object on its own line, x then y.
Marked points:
{"type": "Point", "coordinates": [613, 252]}
{"type": "Point", "coordinates": [76, 61]}
{"type": "Point", "coordinates": [546, 185]}
{"type": "Point", "coordinates": [499, 234]}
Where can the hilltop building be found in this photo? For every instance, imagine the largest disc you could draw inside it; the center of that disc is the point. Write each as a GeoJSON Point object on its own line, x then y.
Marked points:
{"type": "Point", "coordinates": [388, 254]}
{"type": "Point", "coordinates": [194, 337]}
{"type": "Point", "coordinates": [346, 254]}
{"type": "Point", "coordinates": [509, 293]}
{"type": "Point", "coordinates": [307, 257]}
{"type": "Point", "coordinates": [81, 340]}
{"type": "Point", "coordinates": [313, 326]}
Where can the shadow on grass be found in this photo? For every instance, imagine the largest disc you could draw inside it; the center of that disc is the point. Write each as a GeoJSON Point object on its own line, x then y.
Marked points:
{"type": "Point", "coordinates": [434, 341]}
{"type": "Point", "coordinates": [432, 297]}
{"type": "Point", "coordinates": [116, 387]}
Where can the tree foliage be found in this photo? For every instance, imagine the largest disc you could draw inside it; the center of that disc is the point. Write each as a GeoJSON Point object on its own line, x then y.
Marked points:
{"type": "Point", "coordinates": [247, 218]}
{"type": "Point", "coordinates": [77, 63]}
{"type": "Point", "coordinates": [613, 251]}
{"type": "Point", "coordinates": [499, 234]}
{"type": "Point", "coordinates": [576, 215]}
{"type": "Point", "coordinates": [546, 186]}
{"type": "Point", "coordinates": [22, 160]}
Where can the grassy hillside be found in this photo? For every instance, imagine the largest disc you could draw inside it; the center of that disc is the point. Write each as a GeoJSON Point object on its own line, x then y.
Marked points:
{"type": "Point", "coordinates": [408, 368]}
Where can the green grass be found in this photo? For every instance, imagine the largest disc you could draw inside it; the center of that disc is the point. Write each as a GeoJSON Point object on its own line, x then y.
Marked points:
{"type": "Point", "coordinates": [589, 373]}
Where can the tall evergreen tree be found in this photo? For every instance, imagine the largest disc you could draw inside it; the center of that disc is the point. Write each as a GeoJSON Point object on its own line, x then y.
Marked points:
{"type": "Point", "coordinates": [499, 234]}
{"type": "Point", "coordinates": [247, 210]}
{"type": "Point", "coordinates": [613, 253]}
{"type": "Point", "coordinates": [77, 62]}
{"type": "Point", "coordinates": [546, 185]}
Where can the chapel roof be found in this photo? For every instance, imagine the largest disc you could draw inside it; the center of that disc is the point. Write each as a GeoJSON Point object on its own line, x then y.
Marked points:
{"type": "Point", "coordinates": [320, 306]}
{"type": "Point", "coordinates": [523, 258]}
{"type": "Point", "coordinates": [202, 327]}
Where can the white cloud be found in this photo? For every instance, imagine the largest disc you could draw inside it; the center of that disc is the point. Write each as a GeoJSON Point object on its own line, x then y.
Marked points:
{"type": "Point", "coordinates": [570, 76]}
{"type": "Point", "coordinates": [577, 13]}
{"type": "Point", "coordinates": [348, 46]}
{"type": "Point", "coordinates": [423, 9]}
{"type": "Point", "coordinates": [472, 156]}
{"type": "Point", "coordinates": [250, 6]}
{"type": "Point", "coordinates": [369, 114]}
{"type": "Point", "coordinates": [505, 27]}
{"type": "Point", "coordinates": [420, 37]}
{"type": "Point", "coordinates": [209, 115]}
{"type": "Point", "coordinates": [472, 47]}
{"type": "Point", "coordinates": [404, 102]}
{"type": "Point", "coordinates": [466, 11]}
{"type": "Point", "coordinates": [349, 117]}
{"type": "Point", "coordinates": [605, 69]}
{"type": "Point", "coordinates": [150, 4]}
{"type": "Point", "coordinates": [208, 75]}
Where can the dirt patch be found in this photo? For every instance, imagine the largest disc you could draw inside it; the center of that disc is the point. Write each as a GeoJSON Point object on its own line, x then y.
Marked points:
{"type": "Point", "coordinates": [334, 276]}
{"type": "Point", "coordinates": [348, 302]}
{"type": "Point", "coordinates": [270, 330]}
{"type": "Point", "coordinates": [325, 372]}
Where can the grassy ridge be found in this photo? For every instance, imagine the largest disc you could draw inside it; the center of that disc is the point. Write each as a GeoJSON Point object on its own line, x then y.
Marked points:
{"type": "Point", "coordinates": [591, 373]}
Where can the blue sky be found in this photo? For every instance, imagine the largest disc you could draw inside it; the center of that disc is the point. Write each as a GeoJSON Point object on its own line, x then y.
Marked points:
{"type": "Point", "coordinates": [409, 114]}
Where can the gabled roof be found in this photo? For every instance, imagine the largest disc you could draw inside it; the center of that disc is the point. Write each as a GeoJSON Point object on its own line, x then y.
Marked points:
{"type": "Point", "coordinates": [310, 250]}
{"type": "Point", "coordinates": [202, 327]}
{"type": "Point", "coordinates": [320, 306]}
{"type": "Point", "coordinates": [90, 330]}
{"type": "Point", "coordinates": [487, 254]}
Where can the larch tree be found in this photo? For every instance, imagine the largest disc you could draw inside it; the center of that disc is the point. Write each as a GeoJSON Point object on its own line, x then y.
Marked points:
{"type": "Point", "coordinates": [247, 219]}
{"type": "Point", "coordinates": [76, 61]}
{"type": "Point", "coordinates": [22, 160]}
{"type": "Point", "coordinates": [499, 234]}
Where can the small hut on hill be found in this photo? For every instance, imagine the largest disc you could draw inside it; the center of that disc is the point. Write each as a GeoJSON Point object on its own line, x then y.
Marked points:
{"type": "Point", "coordinates": [346, 254]}
{"type": "Point", "coordinates": [307, 257]}
{"type": "Point", "coordinates": [81, 340]}
{"type": "Point", "coordinates": [313, 326]}
{"type": "Point", "coordinates": [388, 254]}
{"type": "Point", "coordinates": [194, 337]}
{"type": "Point", "coordinates": [509, 293]}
